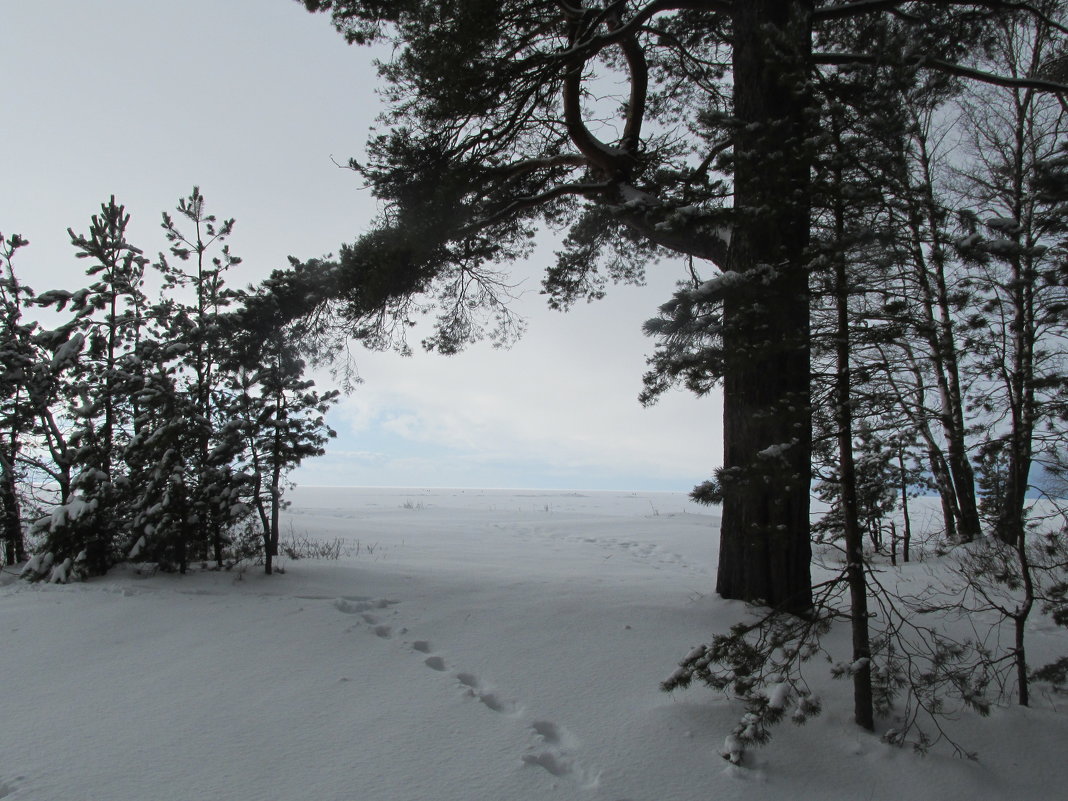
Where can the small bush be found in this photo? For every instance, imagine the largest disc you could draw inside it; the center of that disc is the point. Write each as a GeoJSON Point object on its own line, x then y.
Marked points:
{"type": "Point", "coordinates": [301, 546]}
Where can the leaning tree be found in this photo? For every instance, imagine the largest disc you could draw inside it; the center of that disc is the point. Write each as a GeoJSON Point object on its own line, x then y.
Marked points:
{"type": "Point", "coordinates": [642, 128]}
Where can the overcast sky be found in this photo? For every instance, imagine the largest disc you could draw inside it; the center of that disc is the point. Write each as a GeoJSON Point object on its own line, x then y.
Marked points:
{"type": "Point", "coordinates": [250, 99]}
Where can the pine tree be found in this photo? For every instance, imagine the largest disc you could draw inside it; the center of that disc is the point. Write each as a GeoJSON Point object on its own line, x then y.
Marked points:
{"type": "Point", "coordinates": [125, 414]}
{"type": "Point", "coordinates": [98, 344]}
{"type": "Point", "coordinates": [210, 482]}
{"type": "Point", "coordinates": [16, 358]}
{"type": "Point", "coordinates": [879, 218]}
{"type": "Point", "coordinates": [493, 128]}
{"type": "Point", "coordinates": [162, 506]}
{"type": "Point", "coordinates": [1014, 242]}
{"type": "Point", "coordinates": [282, 420]}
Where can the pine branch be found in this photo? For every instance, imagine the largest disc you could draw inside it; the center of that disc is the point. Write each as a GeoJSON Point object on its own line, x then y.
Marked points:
{"type": "Point", "coordinates": [862, 7]}
{"type": "Point", "coordinates": [949, 67]}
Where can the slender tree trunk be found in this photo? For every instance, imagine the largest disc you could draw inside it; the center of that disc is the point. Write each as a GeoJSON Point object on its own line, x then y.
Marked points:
{"type": "Point", "coordinates": [1019, 620]}
{"type": "Point", "coordinates": [276, 470]}
{"type": "Point", "coordinates": [946, 495]}
{"type": "Point", "coordinates": [893, 543]}
{"type": "Point", "coordinates": [931, 275]}
{"type": "Point", "coordinates": [1023, 691]}
{"type": "Point", "coordinates": [765, 550]}
{"type": "Point", "coordinates": [1012, 518]}
{"type": "Point", "coordinates": [108, 433]}
{"type": "Point", "coordinates": [204, 368]}
{"type": "Point", "coordinates": [906, 534]}
{"type": "Point", "coordinates": [863, 702]}
{"type": "Point", "coordinates": [276, 507]}
{"type": "Point", "coordinates": [863, 707]}
{"type": "Point", "coordinates": [11, 525]}
{"type": "Point", "coordinates": [1021, 378]}
{"type": "Point", "coordinates": [261, 509]}
{"type": "Point", "coordinates": [915, 411]}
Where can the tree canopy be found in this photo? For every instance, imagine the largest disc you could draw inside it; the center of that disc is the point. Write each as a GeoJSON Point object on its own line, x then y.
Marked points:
{"type": "Point", "coordinates": [637, 130]}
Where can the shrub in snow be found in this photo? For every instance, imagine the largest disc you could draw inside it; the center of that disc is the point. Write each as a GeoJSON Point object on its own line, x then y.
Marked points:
{"type": "Point", "coordinates": [303, 546]}
{"type": "Point", "coordinates": [43, 567]}
{"type": "Point", "coordinates": [88, 529]}
{"type": "Point", "coordinates": [61, 573]}
{"type": "Point", "coordinates": [37, 567]}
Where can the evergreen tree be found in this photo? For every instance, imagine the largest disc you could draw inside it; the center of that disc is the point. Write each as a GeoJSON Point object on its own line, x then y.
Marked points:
{"type": "Point", "coordinates": [282, 419]}
{"type": "Point", "coordinates": [885, 310]}
{"type": "Point", "coordinates": [102, 334]}
{"type": "Point", "coordinates": [124, 419]}
{"type": "Point", "coordinates": [493, 129]}
{"type": "Point", "coordinates": [210, 482]}
{"type": "Point", "coordinates": [163, 509]}
{"type": "Point", "coordinates": [16, 358]}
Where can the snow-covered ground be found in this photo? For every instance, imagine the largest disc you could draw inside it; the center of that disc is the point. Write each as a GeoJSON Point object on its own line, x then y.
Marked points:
{"type": "Point", "coordinates": [468, 646]}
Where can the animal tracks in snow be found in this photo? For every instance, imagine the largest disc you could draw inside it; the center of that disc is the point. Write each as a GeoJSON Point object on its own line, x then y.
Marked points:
{"type": "Point", "coordinates": [552, 748]}
{"type": "Point", "coordinates": [549, 732]}
{"type": "Point", "coordinates": [359, 604]}
{"type": "Point", "coordinates": [491, 700]}
{"type": "Point", "coordinates": [366, 607]}
{"type": "Point", "coordinates": [649, 553]}
{"type": "Point", "coordinates": [554, 752]}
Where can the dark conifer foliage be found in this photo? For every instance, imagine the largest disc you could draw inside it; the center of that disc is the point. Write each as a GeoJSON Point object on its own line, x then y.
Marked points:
{"type": "Point", "coordinates": [938, 342]}
{"type": "Point", "coordinates": [98, 344]}
{"type": "Point", "coordinates": [16, 414]}
{"type": "Point", "coordinates": [503, 117]}
{"type": "Point", "coordinates": [122, 435]}
{"type": "Point", "coordinates": [280, 420]}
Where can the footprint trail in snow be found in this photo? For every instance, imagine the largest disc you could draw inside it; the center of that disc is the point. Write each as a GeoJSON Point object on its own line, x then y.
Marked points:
{"type": "Point", "coordinates": [552, 747]}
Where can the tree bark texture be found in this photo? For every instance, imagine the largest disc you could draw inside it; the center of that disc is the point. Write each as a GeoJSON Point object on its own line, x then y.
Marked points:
{"type": "Point", "coordinates": [764, 548]}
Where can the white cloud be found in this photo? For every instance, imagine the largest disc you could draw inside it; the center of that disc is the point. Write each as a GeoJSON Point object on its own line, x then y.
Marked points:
{"type": "Point", "coordinates": [565, 397]}
{"type": "Point", "coordinates": [559, 407]}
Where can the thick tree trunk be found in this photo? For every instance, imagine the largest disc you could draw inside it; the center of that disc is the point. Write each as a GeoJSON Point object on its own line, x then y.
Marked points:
{"type": "Point", "coordinates": [764, 548]}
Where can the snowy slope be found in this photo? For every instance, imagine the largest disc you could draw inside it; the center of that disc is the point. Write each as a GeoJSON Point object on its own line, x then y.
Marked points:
{"type": "Point", "coordinates": [477, 645]}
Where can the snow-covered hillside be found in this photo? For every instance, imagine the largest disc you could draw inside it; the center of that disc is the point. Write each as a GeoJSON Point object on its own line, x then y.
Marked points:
{"type": "Point", "coordinates": [468, 646]}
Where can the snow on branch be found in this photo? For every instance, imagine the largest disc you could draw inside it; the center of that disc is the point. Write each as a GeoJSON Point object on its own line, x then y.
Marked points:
{"type": "Point", "coordinates": [674, 227]}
